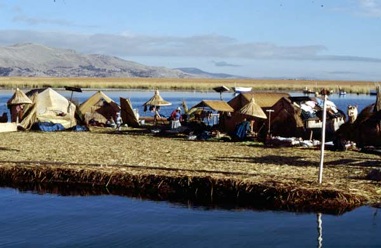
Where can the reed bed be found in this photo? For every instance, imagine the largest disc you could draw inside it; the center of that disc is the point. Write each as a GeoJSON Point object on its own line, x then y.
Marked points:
{"type": "Point", "coordinates": [359, 87]}
{"type": "Point", "coordinates": [244, 173]}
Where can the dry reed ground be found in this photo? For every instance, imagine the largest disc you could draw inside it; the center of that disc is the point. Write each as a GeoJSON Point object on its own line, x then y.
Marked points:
{"type": "Point", "coordinates": [248, 162]}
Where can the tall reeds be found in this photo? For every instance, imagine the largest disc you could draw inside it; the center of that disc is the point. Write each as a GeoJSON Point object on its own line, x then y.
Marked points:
{"type": "Point", "coordinates": [201, 84]}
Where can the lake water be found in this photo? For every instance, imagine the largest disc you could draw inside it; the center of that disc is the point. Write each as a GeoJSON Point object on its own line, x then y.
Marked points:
{"type": "Point", "coordinates": [33, 220]}
{"type": "Point", "coordinates": [30, 219]}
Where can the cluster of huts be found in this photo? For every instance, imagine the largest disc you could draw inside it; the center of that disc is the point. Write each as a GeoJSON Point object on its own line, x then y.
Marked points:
{"type": "Point", "coordinates": [47, 110]}
{"type": "Point", "coordinates": [248, 115]}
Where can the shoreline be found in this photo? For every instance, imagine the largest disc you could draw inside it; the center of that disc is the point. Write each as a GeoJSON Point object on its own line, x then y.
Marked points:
{"type": "Point", "coordinates": [195, 190]}
{"type": "Point", "coordinates": [185, 84]}
{"type": "Point", "coordinates": [175, 169]}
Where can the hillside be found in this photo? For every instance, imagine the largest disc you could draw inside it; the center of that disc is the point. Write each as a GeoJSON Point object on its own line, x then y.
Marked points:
{"type": "Point", "coordinates": [34, 60]}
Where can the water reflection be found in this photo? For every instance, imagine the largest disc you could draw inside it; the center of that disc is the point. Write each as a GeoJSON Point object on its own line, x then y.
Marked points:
{"type": "Point", "coordinates": [181, 197]}
{"type": "Point", "coordinates": [320, 230]}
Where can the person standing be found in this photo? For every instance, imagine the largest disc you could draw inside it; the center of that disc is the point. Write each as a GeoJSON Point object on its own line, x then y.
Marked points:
{"type": "Point", "coordinates": [156, 115]}
{"type": "Point", "coordinates": [118, 121]}
{"type": "Point", "coordinates": [176, 118]}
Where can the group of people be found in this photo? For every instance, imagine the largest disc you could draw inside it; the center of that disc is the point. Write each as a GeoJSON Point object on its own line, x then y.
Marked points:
{"type": "Point", "coordinates": [175, 118]}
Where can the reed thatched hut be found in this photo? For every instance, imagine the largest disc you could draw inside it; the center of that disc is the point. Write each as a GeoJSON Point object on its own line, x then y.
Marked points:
{"type": "Point", "coordinates": [206, 109]}
{"type": "Point", "coordinates": [265, 100]}
{"type": "Point", "coordinates": [301, 116]}
{"type": "Point", "coordinates": [365, 131]}
{"type": "Point", "coordinates": [16, 105]}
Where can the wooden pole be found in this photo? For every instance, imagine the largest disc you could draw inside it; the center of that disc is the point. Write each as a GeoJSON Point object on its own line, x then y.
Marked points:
{"type": "Point", "coordinates": [269, 111]}
{"type": "Point", "coordinates": [323, 139]}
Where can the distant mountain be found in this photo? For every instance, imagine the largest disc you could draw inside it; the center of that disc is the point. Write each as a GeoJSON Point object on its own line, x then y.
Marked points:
{"type": "Point", "coordinates": [34, 60]}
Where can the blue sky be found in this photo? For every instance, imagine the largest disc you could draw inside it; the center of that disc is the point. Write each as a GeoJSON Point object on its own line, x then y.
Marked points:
{"type": "Point", "coordinates": [312, 39]}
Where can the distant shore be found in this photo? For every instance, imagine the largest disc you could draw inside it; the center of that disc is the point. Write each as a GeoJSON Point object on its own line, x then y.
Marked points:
{"type": "Point", "coordinates": [357, 87]}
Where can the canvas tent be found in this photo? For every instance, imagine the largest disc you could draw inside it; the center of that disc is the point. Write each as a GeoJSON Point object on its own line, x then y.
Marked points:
{"type": "Point", "coordinates": [129, 115]}
{"type": "Point", "coordinates": [17, 103]}
{"type": "Point", "coordinates": [99, 108]}
{"type": "Point", "coordinates": [49, 107]}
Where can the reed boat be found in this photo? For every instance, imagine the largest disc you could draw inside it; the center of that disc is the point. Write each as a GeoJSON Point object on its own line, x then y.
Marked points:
{"type": "Point", "coordinates": [240, 89]}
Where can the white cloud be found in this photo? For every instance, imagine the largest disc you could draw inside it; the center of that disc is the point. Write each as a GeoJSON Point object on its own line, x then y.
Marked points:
{"type": "Point", "coordinates": [212, 46]}
{"type": "Point", "coordinates": [224, 64]}
{"type": "Point", "coordinates": [370, 7]}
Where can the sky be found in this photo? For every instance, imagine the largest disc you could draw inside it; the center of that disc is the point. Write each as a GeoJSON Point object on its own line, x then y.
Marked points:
{"type": "Point", "coordinates": [293, 39]}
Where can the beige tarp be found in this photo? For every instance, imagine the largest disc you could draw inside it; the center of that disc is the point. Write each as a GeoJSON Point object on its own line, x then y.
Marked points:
{"type": "Point", "coordinates": [99, 107]}
{"type": "Point", "coordinates": [50, 106]}
{"type": "Point", "coordinates": [127, 113]}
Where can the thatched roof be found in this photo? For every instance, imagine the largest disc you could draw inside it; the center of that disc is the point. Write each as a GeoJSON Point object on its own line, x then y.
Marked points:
{"type": "Point", "coordinates": [157, 100]}
{"type": "Point", "coordinates": [19, 97]}
{"type": "Point", "coordinates": [221, 89]}
{"type": "Point", "coordinates": [215, 105]}
{"type": "Point", "coordinates": [253, 109]}
{"type": "Point", "coordinates": [263, 99]}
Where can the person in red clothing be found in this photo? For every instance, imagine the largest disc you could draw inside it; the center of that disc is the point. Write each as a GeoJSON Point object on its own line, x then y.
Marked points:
{"type": "Point", "coordinates": [176, 118]}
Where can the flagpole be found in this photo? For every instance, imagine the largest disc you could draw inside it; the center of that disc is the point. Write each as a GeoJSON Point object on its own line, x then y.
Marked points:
{"type": "Point", "coordinates": [323, 139]}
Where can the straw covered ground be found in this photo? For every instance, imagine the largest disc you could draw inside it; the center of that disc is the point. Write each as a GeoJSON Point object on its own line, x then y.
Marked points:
{"type": "Point", "coordinates": [174, 168]}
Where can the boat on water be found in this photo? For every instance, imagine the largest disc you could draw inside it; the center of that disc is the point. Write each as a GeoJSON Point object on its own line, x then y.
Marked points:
{"type": "Point", "coordinates": [240, 89]}
{"type": "Point", "coordinates": [342, 92]}
{"type": "Point", "coordinates": [307, 91]}
{"type": "Point", "coordinates": [373, 92]}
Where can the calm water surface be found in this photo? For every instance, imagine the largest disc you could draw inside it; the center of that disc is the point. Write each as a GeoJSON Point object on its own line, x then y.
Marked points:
{"type": "Point", "coordinates": [34, 220]}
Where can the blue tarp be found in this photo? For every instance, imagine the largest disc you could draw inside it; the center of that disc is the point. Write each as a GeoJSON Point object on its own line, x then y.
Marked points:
{"type": "Point", "coordinates": [79, 128]}
{"type": "Point", "coordinates": [49, 127]}
{"type": "Point", "coordinates": [242, 129]}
